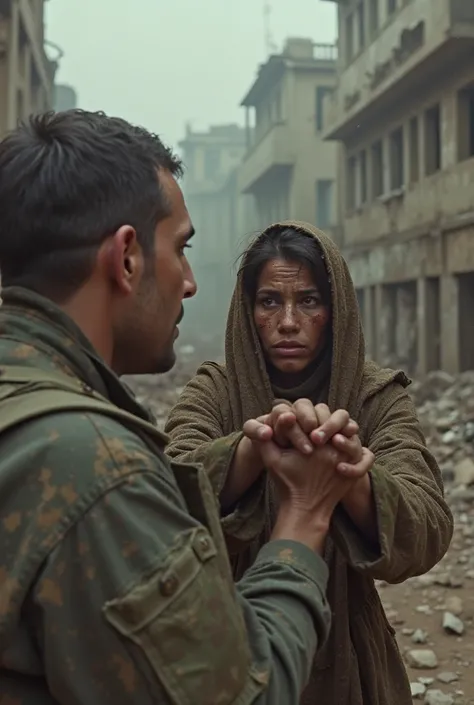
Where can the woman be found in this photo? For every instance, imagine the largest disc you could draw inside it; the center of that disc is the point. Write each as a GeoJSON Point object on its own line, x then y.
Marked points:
{"type": "Point", "coordinates": [293, 333]}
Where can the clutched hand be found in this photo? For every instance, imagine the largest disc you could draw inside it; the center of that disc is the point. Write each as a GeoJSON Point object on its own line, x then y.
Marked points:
{"type": "Point", "coordinates": [303, 426]}
{"type": "Point", "coordinates": [308, 483]}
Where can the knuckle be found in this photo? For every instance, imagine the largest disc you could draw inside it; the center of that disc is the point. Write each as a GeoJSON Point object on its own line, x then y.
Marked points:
{"type": "Point", "coordinates": [281, 409]}
{"type": "Point", "coordinates": [304, 403]}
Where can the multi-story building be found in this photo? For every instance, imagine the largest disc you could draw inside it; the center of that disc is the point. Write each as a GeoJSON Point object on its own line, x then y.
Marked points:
{"type": "Point", "coordinates": [65, 97]}
{"type": "Point", "coordinates": [222, 219]}
{"type": "Point", "coordinates": [288, 168]}
{"type": "Point", "coordinates": [404, 112]}
{"type": "Point", "coordinates": [26, 73]}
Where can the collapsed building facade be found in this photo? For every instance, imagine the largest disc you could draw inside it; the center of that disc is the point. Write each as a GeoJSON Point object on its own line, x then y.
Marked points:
{"type": "Point", "coordinates": [288, 169]}
{"type": "Point", "coordinates": [403, 111]}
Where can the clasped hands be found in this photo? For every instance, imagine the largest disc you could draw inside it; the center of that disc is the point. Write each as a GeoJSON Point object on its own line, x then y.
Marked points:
{"type": "Point", "coordinates": [311, 431]}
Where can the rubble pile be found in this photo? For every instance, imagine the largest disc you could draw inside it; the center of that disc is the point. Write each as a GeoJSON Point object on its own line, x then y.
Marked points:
{"type": "Point", "coordinates": [433, 614]}
{"type": "Point", "coordinates": [446, 410]}
{"type": "Point", "coordinates": [160, 392]}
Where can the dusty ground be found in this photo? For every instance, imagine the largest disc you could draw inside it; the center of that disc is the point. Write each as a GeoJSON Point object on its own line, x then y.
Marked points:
{"type": "Point", "coordinates": [440, 657]}
{"type": "Point", "coordinates": [417, 609]}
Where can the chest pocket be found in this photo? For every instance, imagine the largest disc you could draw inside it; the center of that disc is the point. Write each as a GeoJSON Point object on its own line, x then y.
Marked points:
{"type": "Point", "coordinates": [185, 617]}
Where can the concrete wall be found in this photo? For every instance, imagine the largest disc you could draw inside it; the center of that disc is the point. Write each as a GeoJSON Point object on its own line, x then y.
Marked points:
{"type": "Point", "coordinates": [315, 158]}
{"type": "Point", "coordinates": [288, 156]}
{"type": "Point", "coordinates": [403, 41]}
{"type": "Point", "coordinates": [410, 247]}
{"type": "Point", "coordinates": [26, 74]}
{"type": "Point", "coordinates": [65, 98]}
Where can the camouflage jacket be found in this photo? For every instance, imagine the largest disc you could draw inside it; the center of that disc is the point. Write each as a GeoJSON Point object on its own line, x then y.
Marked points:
{"type": "Point", "coordinates": [115, 586]}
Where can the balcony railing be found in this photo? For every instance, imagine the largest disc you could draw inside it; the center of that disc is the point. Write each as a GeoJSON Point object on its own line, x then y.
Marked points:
{"type": "Point", "coordinates": [325, 52]}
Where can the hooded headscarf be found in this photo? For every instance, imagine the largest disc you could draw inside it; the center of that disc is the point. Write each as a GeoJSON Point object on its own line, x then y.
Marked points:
{"type": "Point", "coordinates": [349, 374]}
{"type": "Point", "coordinates": [360, 664]}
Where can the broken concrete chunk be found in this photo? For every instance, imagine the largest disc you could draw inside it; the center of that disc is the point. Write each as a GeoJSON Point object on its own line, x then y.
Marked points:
{"type": "Point", "coordinates": [422, 658]}
{"type": "Point", "coordinates": [452, 624]}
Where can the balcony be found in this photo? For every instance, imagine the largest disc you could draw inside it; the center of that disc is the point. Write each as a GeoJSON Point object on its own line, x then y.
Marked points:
{"type": "Point", "coordinates": [435, 203]}
{"type": "Point", "coordinates": [274, 154]}
{"type": "Point", "coordinates": [424, 38]}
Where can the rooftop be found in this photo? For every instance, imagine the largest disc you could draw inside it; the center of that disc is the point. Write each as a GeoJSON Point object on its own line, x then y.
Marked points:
{"type": "Point", "coordinates": [216, 134]}
{"type": "Point", "coordinates": [298, 53]}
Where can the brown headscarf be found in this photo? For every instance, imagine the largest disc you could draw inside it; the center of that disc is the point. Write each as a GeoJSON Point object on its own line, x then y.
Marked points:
{"type": "Point", "coordinates": [245, 366]}
{"type": "Point", "coordinates": [360, 664]}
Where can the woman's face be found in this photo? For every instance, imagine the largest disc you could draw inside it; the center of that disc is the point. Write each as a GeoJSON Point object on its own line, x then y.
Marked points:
{"type": "Point", "coordinates": [290, 317]}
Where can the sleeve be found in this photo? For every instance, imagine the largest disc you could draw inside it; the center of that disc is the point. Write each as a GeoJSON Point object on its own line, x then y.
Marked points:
{"type": "Point", "coordinates": [132, 606]}
{"type": "Point", "coordinates": [414, 522]}
{"type": "Point", "coordinates": [195, 428]}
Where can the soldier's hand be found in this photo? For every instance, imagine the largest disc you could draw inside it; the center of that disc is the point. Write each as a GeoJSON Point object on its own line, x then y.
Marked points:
{"type": "Point", "coordinates": [308, 483]}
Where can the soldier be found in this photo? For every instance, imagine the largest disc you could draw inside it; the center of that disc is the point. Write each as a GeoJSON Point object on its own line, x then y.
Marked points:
{"type": "Point", "coordinates": [115, 585]}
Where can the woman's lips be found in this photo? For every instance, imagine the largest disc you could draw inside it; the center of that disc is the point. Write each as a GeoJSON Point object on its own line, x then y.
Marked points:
{"type": "Point", "coordinates": [289, 350]}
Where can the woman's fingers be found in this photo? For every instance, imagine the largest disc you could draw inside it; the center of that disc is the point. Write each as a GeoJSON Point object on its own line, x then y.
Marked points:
{"type": "Point", "coordinates": [357, 470]}
{"type": "Point", "coordinates": [330, 425]}
{"type": "Point", "coordinates": [350, 447]}
{"type": "Point", "coordinates": [256, 430]}
{"type": "Point", "coordinates": [288, 432]}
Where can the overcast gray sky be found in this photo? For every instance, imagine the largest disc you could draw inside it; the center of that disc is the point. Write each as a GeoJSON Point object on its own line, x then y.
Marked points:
{"type": "Point", "coordinates": [161, 63]}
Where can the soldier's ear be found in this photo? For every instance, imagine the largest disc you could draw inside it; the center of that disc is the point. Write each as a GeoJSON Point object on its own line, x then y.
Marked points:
{"type": "Point", "coordinates": [123, 259]}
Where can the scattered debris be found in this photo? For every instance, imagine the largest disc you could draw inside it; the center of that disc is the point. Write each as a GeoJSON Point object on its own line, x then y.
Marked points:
{"type": "Point", "coordinates": [446, 410]}
{"type": "Point", "coordinates": [422, 658]}
{"type": "Point", "coordinates": [448, 677]}
{"type": "Point", "coordinates": [437, 697]}
{"type": "Point", "coordinates": [419, 637]}
{"type": "Point", "coordinates": [417, 690]}
{"type": "Point", "coordinates": [452, 624]}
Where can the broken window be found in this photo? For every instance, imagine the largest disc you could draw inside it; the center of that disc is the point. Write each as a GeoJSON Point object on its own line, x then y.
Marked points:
{"type": "Point", "coordinates": [373, 16]}
{"type": "Point", "coordinates": [377, 169]}
{"type": "Point", "coordinates": [351, 183]}
{"type": "Point", "coordinates": [212, 162]}
{"type": "Point", "coordinates": [349, 37]}
{"type": "Point", "coordinates": [360, 13]}
{"type": "Point", "coordinates": [363, 176]}
{"type": "Point", "coordinates": [321, 93]}
{"type": "Point", "coordinates": [414, 150]}
{"type": "Point", "coordinates": [466, 123]}
{"type": "Point", "coordinates": [432, 140]}
{"type": "Point", "coordinates": [397, 179]}
{"type": "Point", "coordinates": [324, 205]}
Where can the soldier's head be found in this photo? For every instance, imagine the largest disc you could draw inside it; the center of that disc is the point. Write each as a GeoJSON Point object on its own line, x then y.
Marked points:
{"type": "Point", "coordinates": [92, 217]}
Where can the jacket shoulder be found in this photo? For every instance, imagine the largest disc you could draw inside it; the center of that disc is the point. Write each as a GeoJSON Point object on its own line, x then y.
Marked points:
{"type": "Point", "coordinates": [52, 470]}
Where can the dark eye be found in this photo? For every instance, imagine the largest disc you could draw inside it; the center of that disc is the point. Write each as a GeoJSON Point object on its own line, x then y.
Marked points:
{"type": "Point", "coordinates": [311, 300]}
{"type": "Point", "coordinates": [266, 301]}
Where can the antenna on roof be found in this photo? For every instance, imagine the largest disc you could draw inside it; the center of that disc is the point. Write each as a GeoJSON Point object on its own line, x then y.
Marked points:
{"type": "Point", "coordinates": [270, 46]}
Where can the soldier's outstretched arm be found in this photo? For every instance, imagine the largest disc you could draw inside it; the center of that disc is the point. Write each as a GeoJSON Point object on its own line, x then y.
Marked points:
{"type": "Point", "coordinates": [136, 604]}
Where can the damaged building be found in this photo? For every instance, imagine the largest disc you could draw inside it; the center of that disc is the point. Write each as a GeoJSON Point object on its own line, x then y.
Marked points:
{"type": "Point", "coordinates": [288, 169]}
{"type": "Point", "coordinates": [222, 218]}
{"type": "Point", "coordinates": [403, 111]}
{"type": "Point", "coordinates": [26, 72]}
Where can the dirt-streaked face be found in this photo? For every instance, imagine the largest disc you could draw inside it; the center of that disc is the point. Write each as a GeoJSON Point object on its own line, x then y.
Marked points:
{"type": "Point", "coordinates": [290, 316]}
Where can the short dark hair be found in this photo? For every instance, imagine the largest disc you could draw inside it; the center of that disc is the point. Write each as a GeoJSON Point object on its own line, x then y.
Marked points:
{"type": "Point", "coordinates": [288, 244]}
{"type": "Point", "coordinates": [68, 180]}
